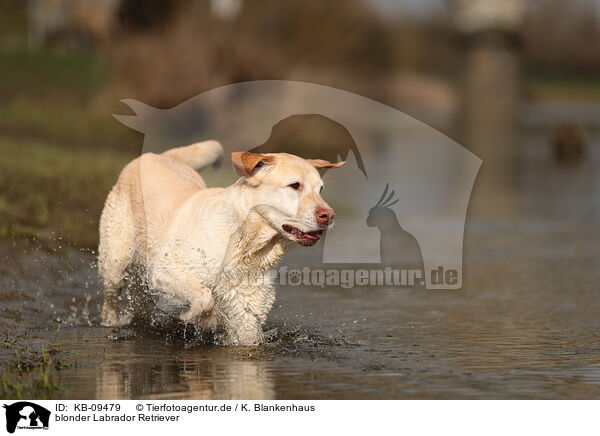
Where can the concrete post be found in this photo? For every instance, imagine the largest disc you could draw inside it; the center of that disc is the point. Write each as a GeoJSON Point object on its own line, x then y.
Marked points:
{"type": "Point", "coordinates": [491, 95]}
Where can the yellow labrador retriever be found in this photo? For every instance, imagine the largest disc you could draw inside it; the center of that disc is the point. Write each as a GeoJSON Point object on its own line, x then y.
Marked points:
{"type": "Point", "coordinates": [207, 247]}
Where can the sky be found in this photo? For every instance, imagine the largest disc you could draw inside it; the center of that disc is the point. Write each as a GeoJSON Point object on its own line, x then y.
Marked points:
{"type": "Point", "coordinates": [418, 8]}
{"type": "Point", "coordinates": [409, 7]}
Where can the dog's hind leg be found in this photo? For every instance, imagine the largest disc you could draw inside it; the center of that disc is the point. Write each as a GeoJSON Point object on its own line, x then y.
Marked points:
{"type": "Point", "coordinates": [115, 254]}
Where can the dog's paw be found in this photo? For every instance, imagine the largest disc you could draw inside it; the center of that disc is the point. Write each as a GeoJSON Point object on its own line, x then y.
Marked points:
{"type": "Point", "coordinates": [245, 336]}
{"type": "Point", "coordinates": [199, 306]}
{"type": "Point", "coordinates": [110, 318]}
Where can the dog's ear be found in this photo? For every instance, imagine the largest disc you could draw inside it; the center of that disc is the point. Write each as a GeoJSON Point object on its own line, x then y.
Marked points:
{"type": "Point", "coordinates": [322, 163]}
{"type": "Point", "coordinates": [245, 162]}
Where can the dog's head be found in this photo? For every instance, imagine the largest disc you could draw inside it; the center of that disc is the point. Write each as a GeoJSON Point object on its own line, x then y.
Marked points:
{"type": "Point", "coordinates": [286, 191]}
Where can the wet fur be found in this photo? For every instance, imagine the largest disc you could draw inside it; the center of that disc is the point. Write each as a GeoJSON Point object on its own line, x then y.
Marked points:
{"type": "Point", "coordinates": [207, 247]}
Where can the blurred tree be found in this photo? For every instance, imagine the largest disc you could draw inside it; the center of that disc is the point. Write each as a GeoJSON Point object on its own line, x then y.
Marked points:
{"type": "Point", "coordinates": [148, 15]}
{"type": "Point", "coordinates": [563, 36]}
{"type": "Point", "coordinates": [13, 22]}
{"type": "Point", "coordinates": [324, 41]}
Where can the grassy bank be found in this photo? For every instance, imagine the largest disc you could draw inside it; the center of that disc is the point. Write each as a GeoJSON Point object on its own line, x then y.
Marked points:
{"type": "Point", "coordinates": [52, 193]}
{"type": "Point", "coordinates": [58, 156]}
{"type": "Point", "coordinates": [30, 373]}
{"type": "Point", "coordinates": [562, 87]}
{"type": "Point", "coordinates": [50, 96]}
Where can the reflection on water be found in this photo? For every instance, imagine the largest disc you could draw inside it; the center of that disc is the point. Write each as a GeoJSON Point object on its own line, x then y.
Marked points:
{"type": "Point", "coordinates": [138, 367]}
{"type": "Point", "coordinates": [137, 364]}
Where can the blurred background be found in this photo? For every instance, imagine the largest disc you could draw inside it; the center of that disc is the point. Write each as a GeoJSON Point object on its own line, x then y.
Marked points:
{"type": "Point", "coordinates": [507, 79]}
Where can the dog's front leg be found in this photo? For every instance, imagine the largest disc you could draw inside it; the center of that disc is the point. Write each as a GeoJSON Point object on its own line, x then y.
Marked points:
{"type": "Point", "coordinates": [177, 282]}
{"type": "Point", "coordinates": [243, 328]}
{"type": "Point", "coordinates": [201, 302]}
{"type": "Point", "coordinates": [243, 310]}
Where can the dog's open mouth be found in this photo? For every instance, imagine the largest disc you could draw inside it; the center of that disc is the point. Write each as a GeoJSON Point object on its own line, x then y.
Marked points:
{"type": "Point", "coordinates": [303, 238]}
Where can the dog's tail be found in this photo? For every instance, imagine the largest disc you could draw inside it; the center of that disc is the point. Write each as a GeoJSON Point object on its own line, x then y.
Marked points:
{"type": "Point", "coordinates": [199, 155]}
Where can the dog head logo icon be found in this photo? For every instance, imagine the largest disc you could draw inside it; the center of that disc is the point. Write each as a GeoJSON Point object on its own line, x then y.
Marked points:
{"type": "Point", "coordinates": [24, 414]}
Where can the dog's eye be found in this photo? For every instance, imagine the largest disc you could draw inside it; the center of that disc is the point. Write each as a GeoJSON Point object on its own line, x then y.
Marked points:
{"type": "Point", "coordinates": [295, 185]}
{"type": "Point", "coordinates": [321, 189]}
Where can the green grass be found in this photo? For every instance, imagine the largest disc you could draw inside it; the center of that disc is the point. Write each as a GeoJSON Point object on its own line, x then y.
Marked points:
{"type": "Point", "coordinates": [563, 87]}
{"type": "Point", "coordinates": [29, 373]}
{"type": "Point", "coordinates": [54, 194]}
{"type": "Point", "coordinates": [48, 95]}
{"type": "Point", "coordinates": [58, 157]}
{"type": "Point", "coordinates": [64, 124]}
{"type": "Point", "coordinates": [43, 73]}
